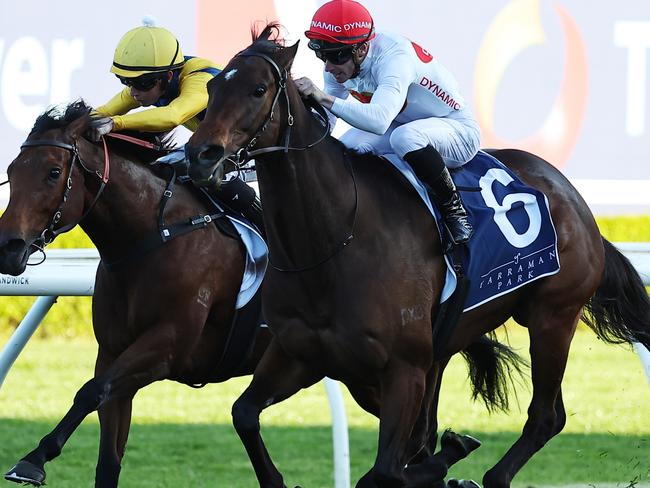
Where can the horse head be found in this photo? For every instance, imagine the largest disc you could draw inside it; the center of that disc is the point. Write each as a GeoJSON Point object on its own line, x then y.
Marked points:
{"type": "Point", "coordinates": [41, 203]}
{"type": "Point", "coordinates": [243, 110]}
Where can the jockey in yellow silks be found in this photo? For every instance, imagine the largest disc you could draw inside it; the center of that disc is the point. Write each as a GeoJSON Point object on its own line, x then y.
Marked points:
{"type": "Point", "coordinates": [148, 60]}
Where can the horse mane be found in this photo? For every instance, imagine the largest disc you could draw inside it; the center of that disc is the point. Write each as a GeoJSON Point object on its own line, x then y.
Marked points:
{"type": "Point", "coordinates": [267, 41]}
{"type": "Point", "coordinates": [59, 116]}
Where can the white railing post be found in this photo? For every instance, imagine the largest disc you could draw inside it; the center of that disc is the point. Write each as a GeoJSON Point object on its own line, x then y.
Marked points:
{"type": "Point", "coordinates": [340, 439]}
{"type": "Point", "coordinates": [644, 356]}
{"type": "Point", "coordinates": [23, 333]}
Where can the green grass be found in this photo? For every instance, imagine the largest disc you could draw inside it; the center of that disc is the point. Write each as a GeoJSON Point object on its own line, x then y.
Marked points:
{"type": "Point", "coordinates": [183, 437]}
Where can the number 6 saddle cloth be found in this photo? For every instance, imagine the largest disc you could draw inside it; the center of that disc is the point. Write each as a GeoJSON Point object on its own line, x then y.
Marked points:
{"type": "Point", "coordinates": [514, 241]}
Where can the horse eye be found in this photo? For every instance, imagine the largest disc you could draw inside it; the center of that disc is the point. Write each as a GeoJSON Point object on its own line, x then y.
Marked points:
{"type": "Point", "coordinates": [259, 90]}
{"type": "Point", "coordinates": [54, 173]}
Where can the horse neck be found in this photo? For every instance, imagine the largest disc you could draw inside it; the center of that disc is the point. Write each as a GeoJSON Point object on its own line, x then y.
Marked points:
{"type": "Point", "coordinates": [127, 209]}
{"type": "Point", "coordinates": [308, 196]}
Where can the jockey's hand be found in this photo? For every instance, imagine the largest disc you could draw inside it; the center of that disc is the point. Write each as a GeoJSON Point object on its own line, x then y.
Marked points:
{"type": "Point", "coordinates": [307, 89]}
{"type": "Point", "coordinates": [98, 127]}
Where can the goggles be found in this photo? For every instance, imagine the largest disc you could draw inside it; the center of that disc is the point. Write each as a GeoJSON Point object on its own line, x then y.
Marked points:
{"type": "Point", "coordinates": [141, 83]}
{"type": "Point", "coordinates": [340, 56]}
{"type": "Point", "coordinates": [335, 54]}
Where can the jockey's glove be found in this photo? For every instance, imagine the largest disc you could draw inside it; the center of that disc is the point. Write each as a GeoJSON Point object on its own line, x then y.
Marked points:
{"type": "Point", "coordinates": [98, 127]}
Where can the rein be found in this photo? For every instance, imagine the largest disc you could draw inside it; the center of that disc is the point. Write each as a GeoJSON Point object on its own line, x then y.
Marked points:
{"type": "Point", "coordinates": [245, 153]}
{"type": "Point", "coordinates": [137, 142]}
{"type": "Point", "coordinates": [49, 233]}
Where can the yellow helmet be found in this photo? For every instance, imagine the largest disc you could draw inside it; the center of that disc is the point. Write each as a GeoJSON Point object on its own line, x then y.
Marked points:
{"type": "Point", "coordinates": [145, 50]}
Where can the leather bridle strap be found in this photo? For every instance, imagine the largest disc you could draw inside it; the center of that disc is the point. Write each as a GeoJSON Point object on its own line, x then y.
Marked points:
{"type": "Point", "coordinates": [246, 153]}
{"type": "Point", "coordinates": [49, 233]}
{"type": "Point", "coordinates": [282, 77]}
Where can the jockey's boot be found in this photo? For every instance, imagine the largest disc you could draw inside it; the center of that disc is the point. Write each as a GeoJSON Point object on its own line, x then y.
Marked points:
{"type": "Point", "coordinates": [242, 198]}
{"type": "Point", "coordinates": [254, 214]}
{"type": "Point", "coordinates": [429, 167]}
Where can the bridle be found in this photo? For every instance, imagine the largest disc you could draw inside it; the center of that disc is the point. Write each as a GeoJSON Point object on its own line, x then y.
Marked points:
{"type": "Point", "coordinates": [49, 233]}
{"type": "Point", "coordinates": [246, 153]}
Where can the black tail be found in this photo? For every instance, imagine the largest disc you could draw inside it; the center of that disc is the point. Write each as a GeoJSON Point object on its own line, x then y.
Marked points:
{"type": "Point", "coordinates": [491, 365]}
{"type": "Point", "coordinates": [619, 311]}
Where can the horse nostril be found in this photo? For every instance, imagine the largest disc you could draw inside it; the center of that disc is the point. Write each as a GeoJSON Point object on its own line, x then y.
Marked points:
{"type": "Point", "coordinates": [211, 154]}
{"type": "Point", "coordinates": [206, 154]}
{"type": "Point", "coordinates": [14, 245]}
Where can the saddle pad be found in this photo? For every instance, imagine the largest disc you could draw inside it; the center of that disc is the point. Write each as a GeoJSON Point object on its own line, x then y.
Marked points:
{"type": "Point", "coordinates": [514, 241]}
{"type": "Point", "coordinates": [256, 260]}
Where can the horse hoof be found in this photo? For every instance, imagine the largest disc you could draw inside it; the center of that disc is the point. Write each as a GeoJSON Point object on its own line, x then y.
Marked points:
{"type": "Point", "coordinates": [466, 443]}
{"type": "Point", "coordinates": [26, 473]}
{"type": "Point", "coordinates": [454, 483]}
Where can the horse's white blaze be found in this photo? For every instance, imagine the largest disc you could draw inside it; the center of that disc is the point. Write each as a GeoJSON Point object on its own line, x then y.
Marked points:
{"type": "Point", "coordinates": [230, 74]}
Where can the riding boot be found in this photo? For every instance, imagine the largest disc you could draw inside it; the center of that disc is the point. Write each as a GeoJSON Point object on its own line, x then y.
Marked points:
{"type": "Point", "coordinates": [241, 198]}
{"type": "Point", "coordinates": [254, 215]}
{"type": "Point", "coordinates": [429, 167]}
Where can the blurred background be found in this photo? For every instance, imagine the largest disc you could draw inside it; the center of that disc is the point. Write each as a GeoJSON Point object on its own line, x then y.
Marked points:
{"type": "Point", "coordinates": [566, 79]}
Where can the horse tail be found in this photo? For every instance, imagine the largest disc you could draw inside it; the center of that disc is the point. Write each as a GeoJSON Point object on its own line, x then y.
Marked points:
{"type": "Point", "coordinates": [619, 311]}
{"type": "Point", "coordinates": [491, 367]}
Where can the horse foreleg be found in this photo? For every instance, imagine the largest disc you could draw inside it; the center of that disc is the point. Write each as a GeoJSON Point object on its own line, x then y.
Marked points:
{"type": "Point", "coordinates": [277, 377]}
{"type": "Point", "coordinates": [550, 338]}
{"type": "Point", "coordinates": [30, 469]}
{"type": "Point", "coordinates": [114, 424]}
{"type": "Point", "coordinates": [402, 392]}
{"type": "Point", "coordinates": [142, 363]}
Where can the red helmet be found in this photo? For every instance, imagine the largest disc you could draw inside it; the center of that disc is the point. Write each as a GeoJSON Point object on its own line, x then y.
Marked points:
{"type": "Point", "coordinates": [342, 22]}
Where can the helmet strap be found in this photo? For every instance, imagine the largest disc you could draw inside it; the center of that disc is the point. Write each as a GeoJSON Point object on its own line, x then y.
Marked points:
{"type": "Point", "coordinates": [357, 59]}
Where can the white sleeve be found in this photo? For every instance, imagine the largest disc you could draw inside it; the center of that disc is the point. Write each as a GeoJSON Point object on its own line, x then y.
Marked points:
{"type": "Point", "coordinates": [332, 87]}
{"type": "Point", "coordinates": [394, 76]}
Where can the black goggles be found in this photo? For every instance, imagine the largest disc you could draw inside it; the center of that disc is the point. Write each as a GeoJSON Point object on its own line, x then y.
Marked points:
{"type": "Point", "coordinates": [339, 56]}
{"type": "Point", "coordinates": [335, 55]}
{"type": "Point", "coordinates": [141, 83]}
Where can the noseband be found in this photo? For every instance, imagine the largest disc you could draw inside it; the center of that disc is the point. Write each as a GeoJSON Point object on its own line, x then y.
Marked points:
{"type": "Point", "coordinates": [49, 233]}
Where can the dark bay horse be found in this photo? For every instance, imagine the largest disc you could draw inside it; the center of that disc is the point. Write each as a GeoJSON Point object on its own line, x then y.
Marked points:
{"type": "Point", "coordinates": [167, 314]}
{"type": "Point", "coordinates": [357, 271]}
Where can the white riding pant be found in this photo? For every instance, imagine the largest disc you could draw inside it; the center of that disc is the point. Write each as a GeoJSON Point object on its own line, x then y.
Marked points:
{"type": "Point", "coordinates": [457, 140]}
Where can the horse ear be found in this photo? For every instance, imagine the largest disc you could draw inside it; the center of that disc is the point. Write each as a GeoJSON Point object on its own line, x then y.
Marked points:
{"type": "Point", "coordinates": [287, 55]}
{"type": "Point", "coordinates": [77, 127]}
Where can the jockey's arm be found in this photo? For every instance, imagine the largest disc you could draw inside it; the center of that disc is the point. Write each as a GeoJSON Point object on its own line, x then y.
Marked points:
{"type": "Point", "coordinates": [337, 90]}
{"type": "Point", "coordinates": [394, 78]}
{"type": "Point", "coordinates": [192, 99]}
{"type": "Point", "coordinates": [118, 105]}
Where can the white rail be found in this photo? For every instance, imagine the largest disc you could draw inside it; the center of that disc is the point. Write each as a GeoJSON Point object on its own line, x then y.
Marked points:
{"type": "Point", "coordinates": [71, 272]}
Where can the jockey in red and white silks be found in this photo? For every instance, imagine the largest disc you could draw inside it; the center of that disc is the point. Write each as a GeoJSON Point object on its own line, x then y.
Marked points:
{"type": "Point", "coordinates": [409, 100]}
{"type": "Point", "coordinates": [410, 104]}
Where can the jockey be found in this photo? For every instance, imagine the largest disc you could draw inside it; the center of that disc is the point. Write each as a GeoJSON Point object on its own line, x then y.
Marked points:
{"type": "Point", "coordinates": [410, 104]}
{"type": "Point", "coordinates": [149, 62]}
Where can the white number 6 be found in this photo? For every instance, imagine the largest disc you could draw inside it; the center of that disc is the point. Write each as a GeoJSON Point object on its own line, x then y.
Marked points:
{"type": "Point", "coordinates": [500, 216]}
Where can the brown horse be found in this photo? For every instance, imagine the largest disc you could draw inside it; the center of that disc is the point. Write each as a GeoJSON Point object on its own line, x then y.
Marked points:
{"type": "Point", "coordinates": [357, 271]}
{"type": "Point", "coordinates": [157, 315]}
